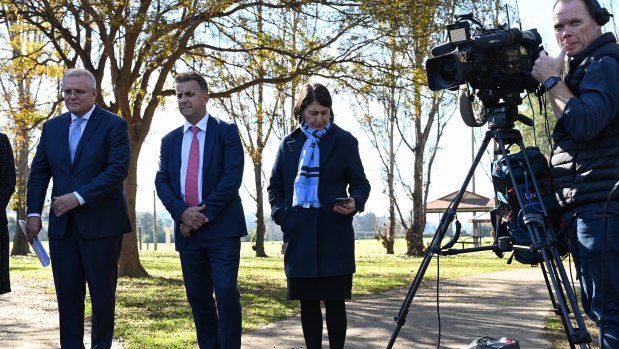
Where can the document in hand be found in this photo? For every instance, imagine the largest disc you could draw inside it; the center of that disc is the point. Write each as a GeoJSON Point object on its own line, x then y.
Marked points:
{"type": "Point", "coordinates": [37, 246]}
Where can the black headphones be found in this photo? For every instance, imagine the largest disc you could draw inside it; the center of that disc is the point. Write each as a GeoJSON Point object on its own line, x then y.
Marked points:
{"type": "Point", "coordinates": [600, 14]}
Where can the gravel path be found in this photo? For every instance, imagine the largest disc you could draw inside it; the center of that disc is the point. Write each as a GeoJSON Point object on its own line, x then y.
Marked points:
{"type": "Point", "coordinates": [511, 304]}
{"type": "Point", "coordinates": [29, 317]}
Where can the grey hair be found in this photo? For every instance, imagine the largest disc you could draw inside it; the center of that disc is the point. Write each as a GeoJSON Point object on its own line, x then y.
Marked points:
{"type": "Point", "coordinates": [92, 82]}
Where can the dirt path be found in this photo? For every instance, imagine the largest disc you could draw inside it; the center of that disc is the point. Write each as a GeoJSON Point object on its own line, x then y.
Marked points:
{"type": "Point", "coordinates": [29, 317]}
{"type": "Point", "coordinates": [511, 304]}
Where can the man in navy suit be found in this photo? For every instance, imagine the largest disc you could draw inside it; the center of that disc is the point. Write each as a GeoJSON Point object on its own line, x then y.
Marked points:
{"type": "Point", "coordinates": [200, 173]}
{"type": "Point", "coordinates": [86, 152]}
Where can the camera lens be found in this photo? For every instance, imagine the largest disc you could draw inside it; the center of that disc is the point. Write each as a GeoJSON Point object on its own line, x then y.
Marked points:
{"type": "Point", "coordinates": [444, 72]}
{"type": "Point", "coordinates": [447, 72]}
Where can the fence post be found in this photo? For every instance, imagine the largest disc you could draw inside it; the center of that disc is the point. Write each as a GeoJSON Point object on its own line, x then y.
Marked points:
{"type": "Point", "coordinates": [140, 237]}
{"type": "Point", "coordinates": [154, 223]}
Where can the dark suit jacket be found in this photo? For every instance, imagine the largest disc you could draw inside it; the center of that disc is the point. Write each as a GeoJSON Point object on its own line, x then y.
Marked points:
{"type": "Point", "coordinates": [222, 172]}
{"type": "Point", "coordinates": [317, 241]}
{"type": "Point", "coordinates": [101, 165]}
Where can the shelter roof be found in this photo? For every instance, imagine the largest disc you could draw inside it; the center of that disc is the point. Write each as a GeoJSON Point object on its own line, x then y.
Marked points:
{"type": "Point", "coordinates": [471, 202]}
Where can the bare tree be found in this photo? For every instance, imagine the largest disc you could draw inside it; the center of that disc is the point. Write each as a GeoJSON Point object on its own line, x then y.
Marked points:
{"type": "Point", "coordinates": [300, 53]}
{"type": "Point", "coordinates": [399, 112]}
{"type": "Point", "coordinates": [132, 47]}
{"type": "Point", "coordinates": [28, 70]}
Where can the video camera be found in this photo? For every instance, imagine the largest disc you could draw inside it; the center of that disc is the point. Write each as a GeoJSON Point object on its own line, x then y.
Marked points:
{"type": "Point", "coordinates": [497, 62]}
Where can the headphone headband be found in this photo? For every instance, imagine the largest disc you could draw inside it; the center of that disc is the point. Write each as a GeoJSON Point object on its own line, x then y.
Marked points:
{"type": "Point", "coordinates": [600, 14]}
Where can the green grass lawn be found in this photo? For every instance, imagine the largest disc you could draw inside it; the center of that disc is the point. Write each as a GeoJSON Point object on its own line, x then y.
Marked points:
{"type": "Point", "coordinates": [154, 313]}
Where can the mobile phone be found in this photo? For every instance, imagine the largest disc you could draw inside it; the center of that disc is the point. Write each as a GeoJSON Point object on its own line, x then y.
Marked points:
{"type": "Point", "coordinates": [339, 201]}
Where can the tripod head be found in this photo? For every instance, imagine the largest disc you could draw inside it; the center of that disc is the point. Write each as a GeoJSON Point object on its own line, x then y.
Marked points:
{"type": "Point", "coordinates": [500, 113]}
{"type": "Point", "coordinates": [504, 115]}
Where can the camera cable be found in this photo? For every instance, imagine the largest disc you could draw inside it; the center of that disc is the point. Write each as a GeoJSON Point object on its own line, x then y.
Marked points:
{"type": "Point", "coordinates": [438, 306]}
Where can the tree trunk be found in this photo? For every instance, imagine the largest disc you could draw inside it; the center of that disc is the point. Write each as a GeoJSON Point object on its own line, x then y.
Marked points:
{"type": "Point", "coordinates": [20, 243]}
{"type": "Point", "coordinates": [389, 239]}
{"type": "Point", "coordinates": [22, 151]}
{"type": "Point", "coordinates": [414, 235]}
{"type": "Point", "coordinates": [129, 263]}
{"type": "Point", "coordinates": [388, 244]}
{"type": "Point", "coordinates": [260, 225]}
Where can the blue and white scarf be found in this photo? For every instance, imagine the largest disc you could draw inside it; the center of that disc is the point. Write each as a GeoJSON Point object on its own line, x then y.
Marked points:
{"type": "Point", "coordinates": [308, 172]}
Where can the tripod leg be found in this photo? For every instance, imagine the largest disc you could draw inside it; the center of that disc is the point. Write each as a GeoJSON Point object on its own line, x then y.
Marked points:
{"type": "Point", "coordinates": [435, 246]}
{"type": "Point", "coordinates": [562, 290]}
{"type": "Point", "coordinates": [553, 299]}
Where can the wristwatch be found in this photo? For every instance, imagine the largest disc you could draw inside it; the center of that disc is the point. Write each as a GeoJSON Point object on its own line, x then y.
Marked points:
{"type": "Point", "coordinates": [551, 82]}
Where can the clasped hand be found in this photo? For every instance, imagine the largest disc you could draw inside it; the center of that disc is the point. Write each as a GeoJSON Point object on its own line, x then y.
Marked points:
{"type": "Point", "coordinates": [64, 203]}
{"type": "Point", "coordinates": [192, 219]}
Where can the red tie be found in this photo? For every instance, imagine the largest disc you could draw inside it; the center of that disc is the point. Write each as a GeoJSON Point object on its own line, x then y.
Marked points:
{"type": "Point", "coordinates": [193, 164]}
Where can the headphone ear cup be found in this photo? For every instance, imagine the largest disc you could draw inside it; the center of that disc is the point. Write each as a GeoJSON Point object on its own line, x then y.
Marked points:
{"type": "Point", "coordinates": [601, 16]}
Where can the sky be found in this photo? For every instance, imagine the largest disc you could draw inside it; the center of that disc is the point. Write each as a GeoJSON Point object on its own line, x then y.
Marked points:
{"type": "Point", "coordinates": [451, 165]}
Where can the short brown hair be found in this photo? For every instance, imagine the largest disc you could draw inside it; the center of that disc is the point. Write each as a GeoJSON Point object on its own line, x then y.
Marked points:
{"type": "Point", "coordinates": [192, 76]}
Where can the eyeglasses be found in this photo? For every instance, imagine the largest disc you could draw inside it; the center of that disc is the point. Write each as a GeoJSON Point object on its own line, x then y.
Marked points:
{"type": "Point", "coordinates": [76, 92]}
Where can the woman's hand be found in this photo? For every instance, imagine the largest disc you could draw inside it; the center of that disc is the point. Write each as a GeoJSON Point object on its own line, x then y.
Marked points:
{"type": "Point", "coordinates": [346, 207]}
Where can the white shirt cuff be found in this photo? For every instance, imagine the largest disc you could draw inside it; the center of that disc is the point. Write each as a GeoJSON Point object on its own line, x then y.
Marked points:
{"type": "Point", "coordinates": [79, 198]}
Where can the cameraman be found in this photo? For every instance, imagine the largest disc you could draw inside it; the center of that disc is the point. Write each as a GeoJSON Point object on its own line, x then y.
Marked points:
{"type": "Point", "coordinates": [585, 156]}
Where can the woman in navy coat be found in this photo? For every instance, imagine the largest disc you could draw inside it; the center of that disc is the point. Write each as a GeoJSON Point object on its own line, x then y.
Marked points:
{"type": "Point", "coordinates": [7, 187]}
{"type": "Point", "coordinates": [316, 164]}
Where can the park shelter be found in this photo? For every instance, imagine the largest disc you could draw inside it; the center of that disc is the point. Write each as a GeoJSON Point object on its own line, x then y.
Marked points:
{"type": "Point", "coordinates": [471, 202]}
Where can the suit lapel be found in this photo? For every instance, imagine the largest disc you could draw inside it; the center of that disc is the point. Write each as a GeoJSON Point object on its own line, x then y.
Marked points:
{"type": "Point", "coordinates": [295, 143]}
{"type": "Point", "coordinates": [212, 129]}
{"type": "Point", "coordinates": [176, 158]}
{"type": "Point", "coordinates": [63, 133]}
{"type": "Point", "coordinates": [91, 125]}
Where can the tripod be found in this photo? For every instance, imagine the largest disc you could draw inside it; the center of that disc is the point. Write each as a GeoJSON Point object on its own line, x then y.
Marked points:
{"type": "Point", "coordinates": [501, 121]}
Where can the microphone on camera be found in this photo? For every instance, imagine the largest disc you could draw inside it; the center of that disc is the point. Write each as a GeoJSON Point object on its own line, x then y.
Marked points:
{"type": "Point", "coordinates": [443, 49]}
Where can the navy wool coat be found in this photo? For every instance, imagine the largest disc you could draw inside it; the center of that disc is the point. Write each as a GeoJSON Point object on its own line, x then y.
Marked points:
{"type": "Point", "coordinates": [317, 241]}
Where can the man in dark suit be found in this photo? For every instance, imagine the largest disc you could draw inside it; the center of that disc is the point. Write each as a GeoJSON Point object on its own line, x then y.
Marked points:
{"type": "Point", "coordinates": [86, 152]}
{"type": "Point", "coordinates": [200, 173]}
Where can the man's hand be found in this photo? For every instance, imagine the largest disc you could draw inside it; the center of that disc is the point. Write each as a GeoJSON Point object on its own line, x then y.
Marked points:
{"type": "Point", "coordinates": [345, 208]}
{"type": "Point", "coordinates": [33, 227]}
{"type": "Point", "coordinates": [193, 218]}
{"type": "Point", "coordinates": [546, 66]}
{"type": "Point", "coordinates": [185, 231]}
{"type": "Point", "coordinates": [63, 204]}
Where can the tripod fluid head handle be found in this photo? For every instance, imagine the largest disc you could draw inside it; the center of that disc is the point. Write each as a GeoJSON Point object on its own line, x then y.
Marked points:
{"type": "Point", "coordinates": [524, 119]}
